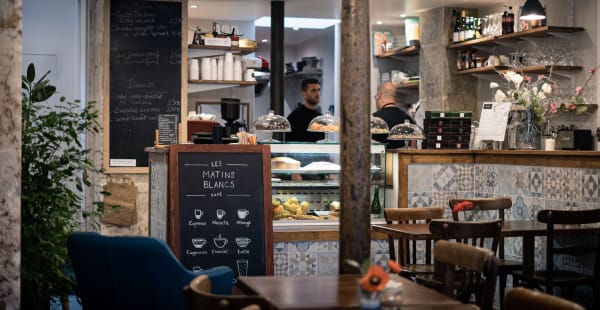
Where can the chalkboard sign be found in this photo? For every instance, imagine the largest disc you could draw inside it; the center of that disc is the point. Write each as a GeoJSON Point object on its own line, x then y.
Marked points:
{"type": "Point", "coordinates": [167, 129]}
{"type": "Point", "coordinates": [144, 75]}
{"type": "Point", "coordinates": [221, 207]}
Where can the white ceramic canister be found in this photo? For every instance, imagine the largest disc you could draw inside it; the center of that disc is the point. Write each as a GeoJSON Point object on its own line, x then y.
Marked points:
{"type": "Point", "coordinates": [228, 67]}
{"type": "Point", "coordinates": [237, 69]}
{"type": "Point", "coordinates": [213, 69]}
{"type": "Point", "coordinates": [220, 65]}
{"type": "Point", "coordinates": [249, 75]}
{"type": "Point", "coordinates": [205, 73]}
{"type": "Point", "coordinates": [194, 69]}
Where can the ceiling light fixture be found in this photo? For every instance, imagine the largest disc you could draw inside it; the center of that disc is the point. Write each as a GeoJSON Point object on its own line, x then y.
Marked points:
{"type": "Point", "coordinates": [292, 22]}
{"type": "Point", "coordinates": [264, 40]}
{"type": "Point", "coordinates": [403, 15]}
{"type": "Point", "coordinates": [533, 10]}
{"type": "Point", "coordinates": [194, 6]}
{"type": "Point", "coordinates": [379, 22]}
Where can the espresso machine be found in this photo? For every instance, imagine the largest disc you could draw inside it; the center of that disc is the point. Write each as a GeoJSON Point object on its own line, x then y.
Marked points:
{"type": "Point", "coordinates": [230, 112]}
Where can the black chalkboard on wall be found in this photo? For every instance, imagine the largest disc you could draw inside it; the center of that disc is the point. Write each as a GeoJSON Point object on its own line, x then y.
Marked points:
{"type": "Point", "coordinates": [144, 75]}
{"type": "Point", "coordinates": [221, 207]}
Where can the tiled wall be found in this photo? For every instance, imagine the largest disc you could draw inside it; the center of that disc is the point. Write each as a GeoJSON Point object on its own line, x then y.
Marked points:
{"type": "Point", "coordinates": [531, 189]}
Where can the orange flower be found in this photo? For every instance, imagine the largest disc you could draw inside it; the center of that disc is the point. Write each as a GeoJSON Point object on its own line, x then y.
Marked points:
{"type": "Point", "coordinates": [375, 280]}
{"type": "Point", "coordinates": [394, 266]}
{"type": "Point", "coordinates": [464, 205]}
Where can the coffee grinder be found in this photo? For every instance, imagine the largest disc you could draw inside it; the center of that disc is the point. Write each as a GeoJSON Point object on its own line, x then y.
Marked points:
{"type": "Point", "coordinates": [230, 112]}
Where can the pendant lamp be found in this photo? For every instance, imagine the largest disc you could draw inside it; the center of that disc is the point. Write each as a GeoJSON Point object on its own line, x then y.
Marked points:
{"type": "Point", "coordinates": [533, 10]}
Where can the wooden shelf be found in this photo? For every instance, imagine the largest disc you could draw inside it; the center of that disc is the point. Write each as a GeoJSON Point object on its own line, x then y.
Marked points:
{"type": "Point", "coordinates": [237, 50]}
{"type": "Point", "coordinates": [536, 32]}
{"type": "Point", "coordinates": [241, 83]}
{"type": "Point", "coordinates": [481, 41]}
{"type": "Point", "coordinates": [195, 86]}
{"type": "Point", "coordinates": [525, 70]}
{"type": "Point", "coordinates": [489, 69]}
{"type": "Point", "coordinates": [407, 51]}
{"type": "Point", "coordinates": [408, 85]}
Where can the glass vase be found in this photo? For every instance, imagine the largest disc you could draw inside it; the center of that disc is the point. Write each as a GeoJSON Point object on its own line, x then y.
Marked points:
{"type": "Point", "coordinates": [528, 132]}
{"type": "Point", "coordinates": [367, 299]}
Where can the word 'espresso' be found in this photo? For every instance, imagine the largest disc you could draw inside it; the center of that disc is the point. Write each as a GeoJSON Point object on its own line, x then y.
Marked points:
{"type": "Point", "coordinates": [218, 179]}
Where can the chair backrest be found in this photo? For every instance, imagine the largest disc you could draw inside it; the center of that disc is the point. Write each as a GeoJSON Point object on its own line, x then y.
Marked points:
{"type": "Point", "coordinates": [482, 204]}
{"type": "Point", "coordinates": [481, 263]}
{"type": "Point", "coordinates": [198, 296]}
{"type": "Point", "coordinates": [498, 204]}
{"type": "Point", "coordinates": [481, 234]}
{"type": "Point", "coordinates": [407, 249]}
{"type": "Point", "coordinates": [520, 298]}
{"type": "Point", "coordinates": [553, 217]}
{"type": "Point", "coordinates": [132, 272]}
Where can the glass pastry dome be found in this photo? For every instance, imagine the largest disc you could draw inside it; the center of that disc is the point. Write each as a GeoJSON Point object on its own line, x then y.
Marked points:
{"type": "Point", "coordinates": [324, 123]}
{"type": "Point", "coordinates": [407, 132]}
{"type": "Point", "coordinates": [272, 123]}
{"type": "Point", "coordinates": [378, 126]}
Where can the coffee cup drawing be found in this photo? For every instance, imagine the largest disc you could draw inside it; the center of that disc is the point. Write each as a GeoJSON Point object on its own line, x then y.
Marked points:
{"type": "Point", "coordinates": [198, 213]}
{"type": "Point", "coordinates": [242, 242]}
{"type": "Point", "coordinates": [220, 213]}
{"type": "Point", "coordinates": [242, 213]}
{"type": "Point", "coordinates": [196, 268]}
{"type": "Point", "coordinates": [198, 242]}
{"type": "Point", "coordinates": [220, 241]}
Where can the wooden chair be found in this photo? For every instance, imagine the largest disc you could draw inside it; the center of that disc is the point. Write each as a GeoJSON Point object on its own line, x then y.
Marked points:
{"type": "Point", "coordinates": [567, 279]}
{"type": "Point", "coordinates": [407, 249]}
{"type": "Point", "coordinates": [505, 266]}
{"type": "Point", "coordinates": [198, 296]}
{"type": "Point", "coordinates": [477, 234]}
{"type": "Point", "coordinates": [520, 298]}
{"type": "Point", "coordinates": [481, 264]}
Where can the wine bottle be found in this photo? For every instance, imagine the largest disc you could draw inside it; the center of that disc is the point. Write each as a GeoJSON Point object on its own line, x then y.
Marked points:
{"type": "Point", "coordinates": [376, 205]}
{"type": "Point", "coordinates": [456, 28]}
{"type": "Point", "coordinates": [505, 20]}
{"type": "Point", "coordinates": [510, 23]}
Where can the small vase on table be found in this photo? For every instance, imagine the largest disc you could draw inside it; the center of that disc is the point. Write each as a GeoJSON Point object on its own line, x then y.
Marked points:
{"type": "Point", "coordinates": [528, 132]}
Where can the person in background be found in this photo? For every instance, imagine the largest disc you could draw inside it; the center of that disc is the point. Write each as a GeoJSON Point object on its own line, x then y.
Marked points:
{"type": "Point", "coordinates": [300, 118]}
{"type": "Point", "coordinates": [390, 112]}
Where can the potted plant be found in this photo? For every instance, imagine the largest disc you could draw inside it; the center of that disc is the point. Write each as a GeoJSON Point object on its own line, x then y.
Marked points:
{"type": "Point", "coordinates": [56, 169]}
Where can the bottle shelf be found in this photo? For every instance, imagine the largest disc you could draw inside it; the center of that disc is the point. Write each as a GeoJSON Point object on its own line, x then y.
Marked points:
{"type": "Point", "coordinates": [535, 32]}
{"type": "Point", "coordinates": [237, 50]}
{"type": "Point", "coordinates": [542, 69]}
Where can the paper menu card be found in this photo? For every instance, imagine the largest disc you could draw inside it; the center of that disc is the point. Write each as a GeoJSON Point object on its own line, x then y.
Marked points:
{"type": "Point", "coordinates": [492, 122]}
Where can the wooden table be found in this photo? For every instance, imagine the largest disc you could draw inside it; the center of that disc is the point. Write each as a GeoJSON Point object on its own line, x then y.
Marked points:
{"type": "Point", "coordinates": [336, 292]}
{"type": "Point", "coordinates": [527, 229]}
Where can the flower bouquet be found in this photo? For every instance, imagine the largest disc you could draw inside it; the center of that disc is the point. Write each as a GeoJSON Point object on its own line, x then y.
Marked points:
{"type": "Point", "coordinates": [375, 284]}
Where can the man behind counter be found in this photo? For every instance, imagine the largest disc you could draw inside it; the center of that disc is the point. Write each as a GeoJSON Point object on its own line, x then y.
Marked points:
{"type": "Point", "coordinates": [300, 118]}
{"type": "Point", "coordinates": [390, 112]}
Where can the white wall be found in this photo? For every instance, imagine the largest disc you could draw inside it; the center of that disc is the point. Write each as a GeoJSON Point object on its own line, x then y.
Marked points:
{"type": "Point", "coordinates": [53, 32]}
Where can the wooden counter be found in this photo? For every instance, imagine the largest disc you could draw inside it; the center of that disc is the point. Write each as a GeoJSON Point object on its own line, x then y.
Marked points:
{"type": "Point", "coordinates": [566, 159]}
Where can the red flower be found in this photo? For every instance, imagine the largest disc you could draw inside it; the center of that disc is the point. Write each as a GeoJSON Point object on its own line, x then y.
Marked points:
{"type": "Point", "coordinates": [394, 266]}
{"type": "Point", "coordinates": [375, 280]}
{"type": "Point", "coordinates": [464, 205]}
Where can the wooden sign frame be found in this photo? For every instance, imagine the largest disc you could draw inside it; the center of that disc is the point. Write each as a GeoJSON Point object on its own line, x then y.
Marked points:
{"type": "Point", "coordinates": [174, 228]}
{"type": "Point", "coordinates": [106, 87]}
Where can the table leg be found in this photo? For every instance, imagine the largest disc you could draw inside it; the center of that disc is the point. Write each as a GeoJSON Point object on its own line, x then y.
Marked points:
{"type": "Point", "coordinates": [528, 255]}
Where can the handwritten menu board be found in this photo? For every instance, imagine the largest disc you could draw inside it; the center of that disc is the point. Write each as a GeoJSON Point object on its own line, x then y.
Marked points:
{"type": "Point", "coordinates": [144, 75]}
{"type": "Point", "coordinates": [167, 129]}
{"type": "Point", "coordinates": [222, 211]}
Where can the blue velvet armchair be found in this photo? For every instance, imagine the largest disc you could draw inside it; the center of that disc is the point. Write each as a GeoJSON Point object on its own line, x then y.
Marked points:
{"type": "Point", "coordinates": [133, 272]}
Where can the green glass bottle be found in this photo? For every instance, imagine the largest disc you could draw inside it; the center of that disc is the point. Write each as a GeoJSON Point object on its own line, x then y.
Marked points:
{"type": "Point", "coordinates": [376, 205]}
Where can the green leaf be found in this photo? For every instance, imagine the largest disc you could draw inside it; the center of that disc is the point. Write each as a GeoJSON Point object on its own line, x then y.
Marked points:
{"type": "Point", "coordinates": [30, 73]}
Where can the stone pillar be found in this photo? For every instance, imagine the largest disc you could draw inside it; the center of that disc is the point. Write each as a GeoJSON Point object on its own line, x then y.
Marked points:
{"type": "Point", "coordinates": [440, 87]}
{"type": "Point", "coordinates": [355, 137]}
{"type": "Point", "coordinates": [11, 58]}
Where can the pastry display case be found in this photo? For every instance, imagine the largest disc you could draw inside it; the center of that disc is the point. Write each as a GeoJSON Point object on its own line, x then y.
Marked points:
{"type": "Point", "coordinates": [306, 182]}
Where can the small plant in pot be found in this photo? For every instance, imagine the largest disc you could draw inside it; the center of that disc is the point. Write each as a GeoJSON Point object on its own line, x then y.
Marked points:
{"type": "Point", "coordinates": [56, 170]}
